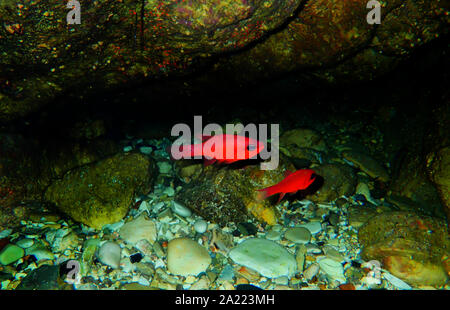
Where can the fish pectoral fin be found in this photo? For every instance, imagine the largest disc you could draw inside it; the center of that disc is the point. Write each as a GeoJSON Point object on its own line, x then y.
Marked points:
{"type": "Point", "coordinates": [281, 197]}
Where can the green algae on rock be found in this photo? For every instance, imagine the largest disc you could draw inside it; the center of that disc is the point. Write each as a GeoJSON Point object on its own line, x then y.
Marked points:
{"type": "Point", "coordinates": [101, 193]}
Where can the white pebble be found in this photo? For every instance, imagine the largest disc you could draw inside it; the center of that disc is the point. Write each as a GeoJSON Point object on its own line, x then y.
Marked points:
{"type": "Point", "coordinates": [180, 209]}
{"type": "Point", "coordinates": [200, 226]}
{"type": "Point", "coordinates": [145, 150]}
{"type": "Point", "coordinates": [127, 148]}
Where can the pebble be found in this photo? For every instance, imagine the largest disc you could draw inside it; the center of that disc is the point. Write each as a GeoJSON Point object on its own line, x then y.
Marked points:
{"type": "Point", "coordinates": [25, 243]}
{"type": "Point", "coordinates": [40, 253]}
{"type": "Point", "coordinates": [139, 229]}
{"type": "Point", "coordinates": [300, 257]}
{"type": "Point", "coordinates": [164, 167]}
{"type": "Point", "coordinates": [273, 235]}
{"type": "Point", "coordinates": [311, 271]}
{"type": "Point", "coordinates": [147, 150]}
{"type": "Point", "coordinates": [333, 269]}
{"type": "Point", "coordinates": [200, 226]}
{"type": "Point", "coordinates": [186, 257]}
{"type": "Point", "coordinates": [298, 235]}
{"type": "Point", "coordinates": [109, 254]}
{"type": "Point", "coordinates": [169, 191]}
{"type": "Point", "coordinates": [314, 227]}
{"type": "Point", "coordinates": [264, 256]}
{"type": "Point", "coordinates": [400, 284]}
{"type": "Point", "coordinates": [180, 209]}
{"type": "Point", "coordinates": [311, 248]}
{"type": "Point", "coordinates": [10, 253]}
{"type": "Point", "coordinates": [333, 254]}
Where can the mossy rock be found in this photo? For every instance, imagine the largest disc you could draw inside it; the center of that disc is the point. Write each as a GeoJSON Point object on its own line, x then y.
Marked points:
{"type": "Point", "coordinates": [413, 247]}
{"type": "Point", "coordinates": [229, 193]}
{"type": "Point", "coordinates": [101, 193]}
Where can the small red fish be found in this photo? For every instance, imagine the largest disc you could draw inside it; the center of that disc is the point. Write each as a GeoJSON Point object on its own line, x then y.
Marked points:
{"type": "Point", "coordinates": [223, 148]}
{"type": "Point", "coordinates": [293, 182]}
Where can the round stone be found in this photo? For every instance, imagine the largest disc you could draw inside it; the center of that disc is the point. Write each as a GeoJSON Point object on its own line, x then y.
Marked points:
{"type": "Point", "coordinates": [298, 235]}
{"type": "Point", "coordinates": [186, 257]}
{"type": "Point", "coordinates": [200, 226]}
{"type": "Point", "coordinates": [109, 254]}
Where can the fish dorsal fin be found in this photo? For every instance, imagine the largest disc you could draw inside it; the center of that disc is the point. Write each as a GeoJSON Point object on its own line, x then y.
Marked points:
{"type": "Point", "coordinates": [287, 173]}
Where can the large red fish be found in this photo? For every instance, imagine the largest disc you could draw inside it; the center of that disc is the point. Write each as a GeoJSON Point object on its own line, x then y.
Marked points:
{"type": "Point", "coordinates": [293, 182]}
{"type": "Point", "coordinates": [223, 148]}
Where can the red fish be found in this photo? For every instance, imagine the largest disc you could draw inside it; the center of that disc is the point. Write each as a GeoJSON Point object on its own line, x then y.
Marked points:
{"type": "Point", "coordinates": [223, 148]}
{"type": "Point", "coordinates": [293, 182]}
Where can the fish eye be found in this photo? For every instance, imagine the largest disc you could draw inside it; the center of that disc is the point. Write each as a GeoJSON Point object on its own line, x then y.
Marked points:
{"type": "Point", "coordinates": [251, 147]}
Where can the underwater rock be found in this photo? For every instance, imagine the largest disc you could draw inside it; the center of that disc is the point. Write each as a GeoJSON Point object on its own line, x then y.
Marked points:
{"type": "Point", "coordinates": [101, 193]}
{"type": "Point", "coordinates": [367, 164]}
{"type": "Point", "coordinates": [138, 229]}
{"type": "Point", "coordinates": [10, 253]}
{"type": "Point", "coordinates": [334, 38]}
{"type": "Point", "coordinates": [333, 269]}
{"type": "Point", "coordinates": [413, 248]}
{"type": "Point", "coordinates": [338, 180]}
{"type": "Point", "coordinates": [200, 226]}
{"type": "Point", "coordinates": [187, 170]}
{"type": "Point", "coordinates": [412, 187]}
{"type": "Point", "coordinates": [109, 254]}
{"type": "Point", "coordinates": [186, 257]}
{"type": "Point", "coordinates": [298, 235]}
{"type": "Point", "coordinates": [264, 256]}
{"type": "Point", "coordinates": [132, 40]}
{"type": "Point", "coordinates": [438, 166]}
{"type": "Point", "coordinates": [45, 277]}
{"type": "Point", "coordinates": [303, 138]}
{"type": "Point", "coordinates": [229, 194]}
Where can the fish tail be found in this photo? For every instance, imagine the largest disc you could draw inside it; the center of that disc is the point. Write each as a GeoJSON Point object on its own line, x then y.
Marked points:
{"type": "Point", "coordinates": [267, 192]}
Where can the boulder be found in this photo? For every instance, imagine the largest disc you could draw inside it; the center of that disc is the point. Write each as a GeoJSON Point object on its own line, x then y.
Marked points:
{"type": "Point", "coordinates": [229, 194]}
{"type": "Point", "coordinates": [414, 248]}
{"type": "Point", "coordinates": [101, 193]}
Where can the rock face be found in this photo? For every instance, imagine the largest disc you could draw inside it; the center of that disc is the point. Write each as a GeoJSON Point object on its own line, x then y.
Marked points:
{"type": "Point", "coordinates": [101, 193]}
{"type": "Point", "coordinates": [335, 35]}
{"type": "Point", "coordinates": [438, 166]}
{"type": "Point", "coordinates": [139, 38]}
{"type": "Point", "coordinates": [127, 40]}
{"type": "Point", "coordinates": [413, 248]}
{"type": "Point", "coordinates": [229, 194]}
